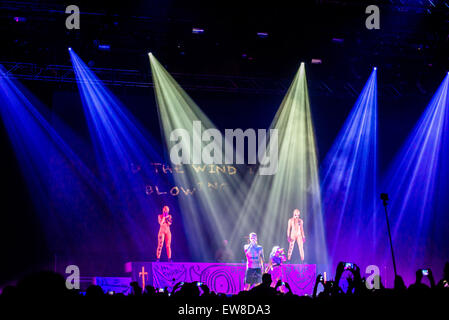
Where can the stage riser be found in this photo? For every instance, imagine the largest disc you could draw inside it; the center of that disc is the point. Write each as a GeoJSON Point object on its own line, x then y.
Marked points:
{"type": "Point", "coordinates": [219, 277]}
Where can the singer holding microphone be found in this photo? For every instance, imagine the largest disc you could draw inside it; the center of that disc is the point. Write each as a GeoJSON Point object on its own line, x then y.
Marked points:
{"type": "Point", "coordinates": [254, 262]}
{"type": "Point", "coordinates": [295, 233]}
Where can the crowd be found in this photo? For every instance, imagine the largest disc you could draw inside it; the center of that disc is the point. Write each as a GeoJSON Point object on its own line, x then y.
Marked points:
{"type": "Point", "coordinates": [327, 297]}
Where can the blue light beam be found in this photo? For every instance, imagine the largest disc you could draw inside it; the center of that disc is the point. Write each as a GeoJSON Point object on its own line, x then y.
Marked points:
{"type": "Point", "coordinates": [417, 183]}
{"type": "Point", "coordinates": [349, 177]}
{"type": "Point", "coordinates": [61, 186]}
{"type": "Point", "coordinates": [121, 144]}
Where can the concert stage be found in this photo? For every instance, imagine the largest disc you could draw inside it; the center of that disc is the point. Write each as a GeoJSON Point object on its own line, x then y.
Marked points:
{"type": "Point", "coordinates": [219, 277]}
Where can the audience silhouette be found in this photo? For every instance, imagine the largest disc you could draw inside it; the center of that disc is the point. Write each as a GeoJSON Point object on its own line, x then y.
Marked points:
{"type": "Point", "coordinates": [355, 292]}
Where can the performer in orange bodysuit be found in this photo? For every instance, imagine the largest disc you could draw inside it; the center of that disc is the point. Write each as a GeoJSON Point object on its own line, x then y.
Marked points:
{"type": "Point", "coordinates": [295, 233]}
{"type": "Point", "coordinates": [165, 221]}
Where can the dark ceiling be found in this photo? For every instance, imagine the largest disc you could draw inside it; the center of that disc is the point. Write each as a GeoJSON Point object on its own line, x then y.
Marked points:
{"type": "Point", "coordinates": [410, 49]}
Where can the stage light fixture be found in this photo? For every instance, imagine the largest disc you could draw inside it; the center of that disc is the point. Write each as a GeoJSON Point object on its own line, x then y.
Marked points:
{"type": "Point", "coordinates": [338, 40]}
{"type": "Point", "coordinates": [197, 30]}
{"type": "Point", "coordinates": [20, 19]}
{"type": "Point", "coordinates": [104, 47]}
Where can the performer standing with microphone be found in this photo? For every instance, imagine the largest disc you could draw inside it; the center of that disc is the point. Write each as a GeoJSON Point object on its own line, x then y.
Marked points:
{"type": "Point", "coordinates": [254, 262]}
{"type": "Point", "coordinates": [165, 221]}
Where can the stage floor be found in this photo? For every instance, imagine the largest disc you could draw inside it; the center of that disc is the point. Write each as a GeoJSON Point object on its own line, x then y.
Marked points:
{"type": "Point", "coordinates": [219, 277]}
